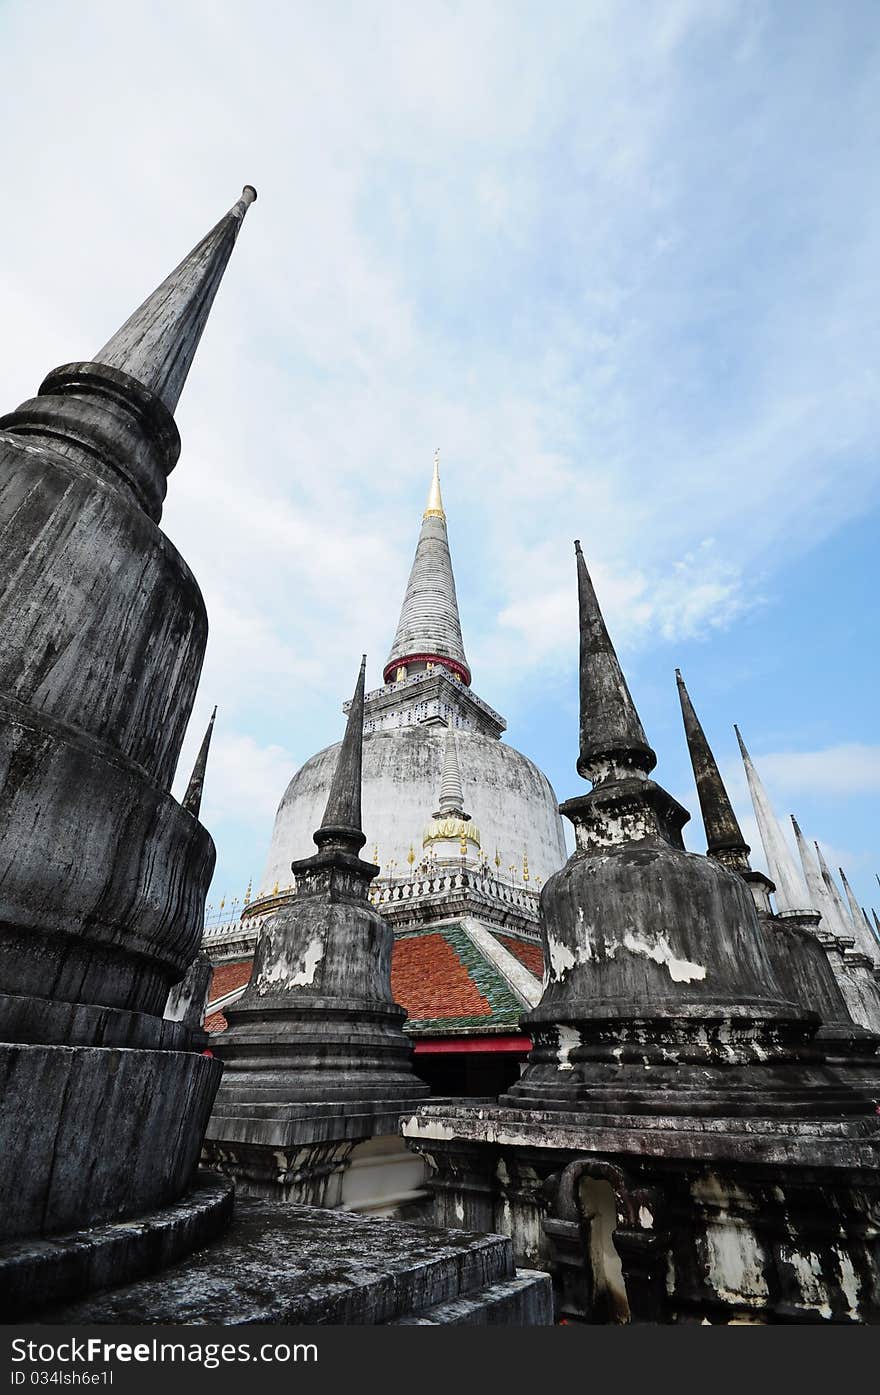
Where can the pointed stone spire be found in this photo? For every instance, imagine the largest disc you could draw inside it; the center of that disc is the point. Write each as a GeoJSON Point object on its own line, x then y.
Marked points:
{"type": "Point", "coordinates": [819, 895]}
{"type": "Point", "coordinates": [157, 344]}
{"type": "Point", "coordinates": [613, 743]}
{"type": "Point", "coordinates": [451, 796]}
{"type": "Point", "coordinates": [429, 629]}
{"type": "Point", "coordinates": [844, 919]}
{"type": "Point", "coordinates": [855, 909]}
{"type": "Point", "coordinates": [341, 825]}
{"type": "Point", "coordinates": [192, 800]}
{"type": "Point", "coordinates": [724, 839]}
{"type": "Point", "coordinates": [791, 894]}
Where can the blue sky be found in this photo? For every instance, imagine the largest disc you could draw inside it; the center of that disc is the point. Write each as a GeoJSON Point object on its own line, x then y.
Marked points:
{"type": "Point", "coordinates": [618, 261]}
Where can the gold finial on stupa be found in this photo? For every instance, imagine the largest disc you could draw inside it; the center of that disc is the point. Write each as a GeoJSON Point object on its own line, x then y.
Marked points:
{"type": "Point", "coordinates": [275, 889]}
{"type": "Point", "coordinates": [435, 498]}
{"type": "Point", "coordinates": [411, 855]}
{"type": "Point", "coordinates": [497, 858]}
{"type": "Point", "coordinates": [247, 894]}
{"type": "Point", "coordinates": [525, 865]}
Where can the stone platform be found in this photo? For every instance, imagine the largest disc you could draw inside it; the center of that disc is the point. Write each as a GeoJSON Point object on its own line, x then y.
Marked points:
{"type": "Point", "coordinates": [280, 1263]}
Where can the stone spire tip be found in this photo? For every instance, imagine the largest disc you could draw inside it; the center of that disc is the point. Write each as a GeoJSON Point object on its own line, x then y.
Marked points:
{"type": "Point", "coordinates": [724, 839]}
{"type": "Point", "coordinates": [341, 828]}
{"type": "Point", "coordinates": [157, 344]}
{"type": "Point", "coordinates": [192, 799]}
{"type": "Point", "coordinates": [613, 744]}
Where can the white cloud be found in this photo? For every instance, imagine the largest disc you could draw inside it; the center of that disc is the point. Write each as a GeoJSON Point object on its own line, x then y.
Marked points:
{"type": "Point", "coordinates": [848, 769]}
{"type": "Point", "coordinates": [621, 269]}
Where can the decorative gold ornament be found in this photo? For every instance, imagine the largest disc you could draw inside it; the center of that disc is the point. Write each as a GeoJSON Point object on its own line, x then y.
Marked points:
{"type": "Point", "coordinates": [247, 894]}
{"type": "Point", "coordinates": [411, 855]}
{"type": "Point", "coordinates": [435, 499]}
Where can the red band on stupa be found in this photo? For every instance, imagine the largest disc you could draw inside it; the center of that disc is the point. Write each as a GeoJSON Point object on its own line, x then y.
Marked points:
{"type": "Point", "coordinates": [452, 664]}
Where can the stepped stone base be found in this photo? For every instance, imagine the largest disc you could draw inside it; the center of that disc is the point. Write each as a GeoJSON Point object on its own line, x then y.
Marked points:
{"type": "Point", "coordinates": [280, 1263]}
{"type": "Point", "coordinates": [35, 1273]}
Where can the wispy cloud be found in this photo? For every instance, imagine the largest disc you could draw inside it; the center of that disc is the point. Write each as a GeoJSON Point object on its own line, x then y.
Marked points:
{"type": "Point", "coordinates": [621, 268]}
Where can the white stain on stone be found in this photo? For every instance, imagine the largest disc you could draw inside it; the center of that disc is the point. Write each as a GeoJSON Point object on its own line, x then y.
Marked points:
{"type": "Point", "coordinates": [736, 1269]}
{"type": "Point", "coordinates": [646, 1218]}
{"type": "Point", "coordinates": [292, 971]}
{"type": "Point", "coordinates": [808, 1268]}
{"type": "Point", "coordinates": [849, 1283]}
{"type": "Point", "coordinates": [659, 949]}
{"type": "Point", "coordinates": [569, 1038]}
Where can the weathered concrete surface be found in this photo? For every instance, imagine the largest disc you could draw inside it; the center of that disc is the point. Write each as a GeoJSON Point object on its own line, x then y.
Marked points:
{"type": "Point", "coordinates": [120, 659]}
{"type": "Point", "coordinates": [725, 1220]}
{"type": "Point", "coordinates": [293, 1264]}
{"type": "Point", "coordinates": [103, 876]}
{"type": "Point", "coordinates": [36, 1273]}
{"type": "Point", "coordinates": [526, 1300]}
{"type": "Point", "coordinates": [92, 1134]}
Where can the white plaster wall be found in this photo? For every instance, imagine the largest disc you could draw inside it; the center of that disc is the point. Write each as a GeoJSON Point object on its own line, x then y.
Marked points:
{"type": "Point", "coordinates": [509, 799]}
{"type": "Point", "coordinates": [382, 1175]}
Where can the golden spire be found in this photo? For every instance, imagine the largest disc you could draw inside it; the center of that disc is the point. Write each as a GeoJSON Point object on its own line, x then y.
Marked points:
{"type": "Point", "coordinates": [525, 873]}
{"type": "Point", "coordinates": [247, 894]}
{"type": "Point", "coordinates": [497, 858]}
{"type": "Point", "coordinates": [435, 499]}
{"type": "Point", "coordinates": [411, 855]}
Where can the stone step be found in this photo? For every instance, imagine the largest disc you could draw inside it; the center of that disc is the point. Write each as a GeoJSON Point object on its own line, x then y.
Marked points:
{"type": "Point", "coordinates": [526, 1300]}
{"type": "Point", "coordinates": [280, 1263]}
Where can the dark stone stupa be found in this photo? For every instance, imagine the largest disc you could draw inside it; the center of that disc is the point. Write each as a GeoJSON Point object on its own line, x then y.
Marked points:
{"type": "Point", "coordinates": [678, 1148]}
{"type": "Point", "coordinates": [103, 873]}
{"type": "Point", "coordinates": [315, 1055]}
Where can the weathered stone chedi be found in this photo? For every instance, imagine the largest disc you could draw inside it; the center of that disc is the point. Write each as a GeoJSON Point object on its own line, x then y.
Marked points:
{"type": "Point", "coordinates": [103, 874]}
{"type": "Point", "coordinates": [103, 878]}
{"type": "Point", "coordinates": [678, 1147]}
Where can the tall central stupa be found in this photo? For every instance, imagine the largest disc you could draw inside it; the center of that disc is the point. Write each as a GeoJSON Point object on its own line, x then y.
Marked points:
{"type": "Point", "coordinates": [515, 833]}
{"type": "Point", "coordinates": [464, 829]}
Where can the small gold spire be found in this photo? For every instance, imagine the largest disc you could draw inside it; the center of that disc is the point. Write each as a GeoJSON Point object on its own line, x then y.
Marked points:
{"type": "Point", "coordinates": [411, 855]}
{"type": "Point", "coordinates": [435, 498]}
{"type": "Point", "coordinates": [376, 854]}
{"type": "Point", "coordinates": [525, 865]}
{"type": "Point", "coordinates": [275, 889]}
{"type": "Point", "coordinates": [497, 858]}
{"type": "Point", "coordinates": [247, 894]}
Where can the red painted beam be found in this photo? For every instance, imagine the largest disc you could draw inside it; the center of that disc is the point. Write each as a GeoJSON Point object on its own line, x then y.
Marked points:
{"type": "Point", "coordinates": [462, 1046]}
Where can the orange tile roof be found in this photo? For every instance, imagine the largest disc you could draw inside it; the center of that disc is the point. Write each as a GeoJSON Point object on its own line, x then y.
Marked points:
{"type": "Point", "coordinates": [430, 981]}
{"type": "Point", "coordinates": [439, 976]}
{"type": "Point", "coordinates": [528, 953]}
{"type": "Point", "coordinates": [227, 977]}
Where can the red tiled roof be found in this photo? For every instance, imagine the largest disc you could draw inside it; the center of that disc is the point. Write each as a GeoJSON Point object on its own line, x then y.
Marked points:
{"type": "Point", "coordinates": [528, 953]}
{"type": "Point", "coordinates": [431, 982]}
{"type": "Point", "coordinates": [227, 977]}
{"type": "Point", "coordinates": [437, 975]}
